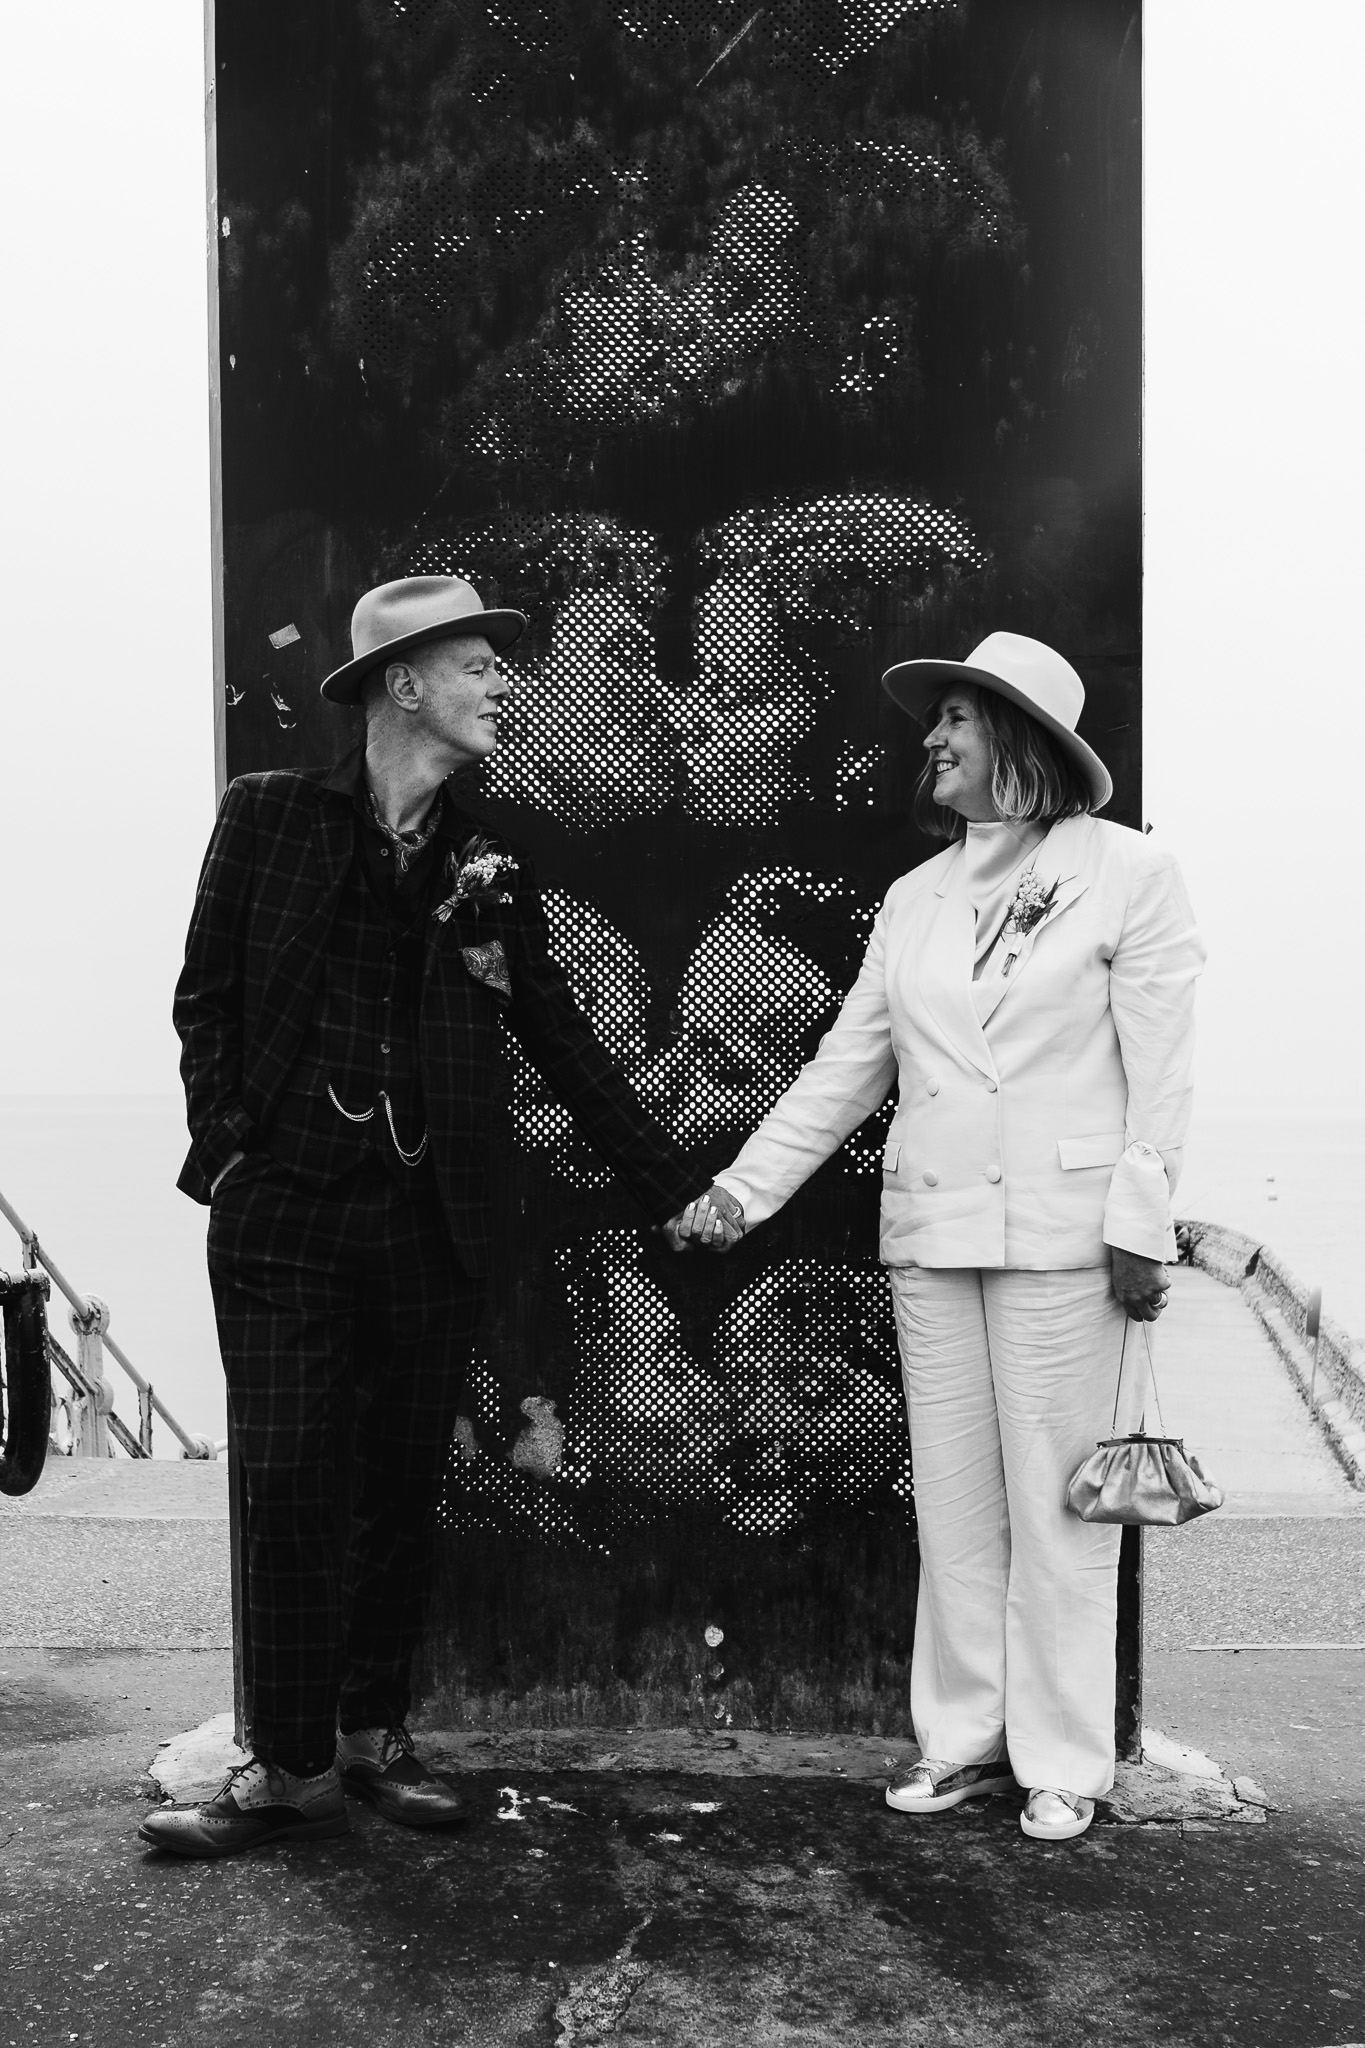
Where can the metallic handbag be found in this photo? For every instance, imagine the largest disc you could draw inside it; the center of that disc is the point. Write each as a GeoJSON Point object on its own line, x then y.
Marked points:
{"type": "Point", "coordinates": [1140, 1480]}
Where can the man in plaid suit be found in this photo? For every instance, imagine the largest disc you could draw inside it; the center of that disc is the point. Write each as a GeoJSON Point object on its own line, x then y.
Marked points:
{"type": "Point", "coordinates": [356, 943]}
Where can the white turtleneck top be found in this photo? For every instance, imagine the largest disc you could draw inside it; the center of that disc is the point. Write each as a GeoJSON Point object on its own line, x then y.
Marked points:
{"type": "Point", "coordinates": [997, 856]}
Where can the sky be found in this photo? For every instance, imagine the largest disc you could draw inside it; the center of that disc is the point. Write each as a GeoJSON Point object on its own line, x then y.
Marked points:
{"type": "Point", "coordinates": [1255, 450]}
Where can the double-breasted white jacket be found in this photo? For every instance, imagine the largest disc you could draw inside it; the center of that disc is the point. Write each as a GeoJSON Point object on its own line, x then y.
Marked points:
{"type": "Point", "coordinates": [1043, 1132]}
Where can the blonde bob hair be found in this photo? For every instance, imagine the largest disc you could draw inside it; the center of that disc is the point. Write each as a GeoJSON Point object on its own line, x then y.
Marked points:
{"type": "Point", "coordinates": [1033, 781]}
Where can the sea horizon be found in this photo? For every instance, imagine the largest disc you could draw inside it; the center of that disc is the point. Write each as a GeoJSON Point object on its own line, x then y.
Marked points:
{"type": "Point", "coordinates": [94, 1176]}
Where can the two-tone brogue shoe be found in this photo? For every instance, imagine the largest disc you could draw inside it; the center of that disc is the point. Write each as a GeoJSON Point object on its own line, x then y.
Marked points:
{"type": "Point", "coordinates": [380, 1764]}
{"type": "Point", "coordinates": [259, 1802]}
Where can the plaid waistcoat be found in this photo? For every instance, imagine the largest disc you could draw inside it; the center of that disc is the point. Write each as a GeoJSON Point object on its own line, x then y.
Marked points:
{"type": "Point", "coordinates": [269, 894]}
{"type": "Point", "coordinates": [355, 1085]}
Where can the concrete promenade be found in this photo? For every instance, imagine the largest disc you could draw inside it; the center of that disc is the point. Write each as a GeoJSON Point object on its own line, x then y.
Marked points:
{"type": "Point", "coordinates": [618, 1887]}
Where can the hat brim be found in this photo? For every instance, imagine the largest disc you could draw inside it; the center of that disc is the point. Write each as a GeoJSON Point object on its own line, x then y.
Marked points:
{"type": "Point", "coordinates": [916, 685]}
{"type": "Point", "coordinates": [499, 629]}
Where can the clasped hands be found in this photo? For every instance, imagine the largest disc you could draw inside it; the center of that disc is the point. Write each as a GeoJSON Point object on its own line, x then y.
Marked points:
{"type": "Point", "coordinates": [715, 1219]}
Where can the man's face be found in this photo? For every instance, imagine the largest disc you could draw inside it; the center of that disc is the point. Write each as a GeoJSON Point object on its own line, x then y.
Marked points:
{"type": "Point", "coordinates": [463, 692]}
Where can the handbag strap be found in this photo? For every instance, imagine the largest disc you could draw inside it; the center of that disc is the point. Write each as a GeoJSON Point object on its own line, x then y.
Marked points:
{"type": "Point", "coordinates": [1151, 1373]}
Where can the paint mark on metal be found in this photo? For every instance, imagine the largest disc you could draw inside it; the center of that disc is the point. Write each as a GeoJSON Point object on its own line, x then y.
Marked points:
{"type": "Point", "coordinates": [704, 1806]}
{"type": "Point", "coordinates": [556, 1805]}
{"type": "Point", "coordinates": [285, 636]}
{"type": "Point", "coordinates": [227, 227]}
{"type": "Point", "coordinates": [734, 41]}
{"type": "Point", "coordinates": [665, 1837]}
{"type": "Point", "coordinates": [714, 1637]}
{"type": "Point", "coordinates": [515, 1808]}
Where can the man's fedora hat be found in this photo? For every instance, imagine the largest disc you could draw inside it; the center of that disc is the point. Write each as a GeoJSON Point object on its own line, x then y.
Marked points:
{"type": "Point", "coordinates": [396, 616]}
{"type": "Point", "coordinates": [1029, 674]}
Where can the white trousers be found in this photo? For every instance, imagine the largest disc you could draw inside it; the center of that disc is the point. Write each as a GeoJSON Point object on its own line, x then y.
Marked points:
{"type": "Point", "coordinates": [1009, 1382]}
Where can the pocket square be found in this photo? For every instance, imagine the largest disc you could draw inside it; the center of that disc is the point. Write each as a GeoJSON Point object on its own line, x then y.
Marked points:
{"type": "Point", "coordinates": [488, 964]}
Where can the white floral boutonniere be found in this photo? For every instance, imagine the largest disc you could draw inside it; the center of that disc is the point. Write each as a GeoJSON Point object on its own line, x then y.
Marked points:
{"type": "Point", "coordinates": [1031, 905]}
{"type": "Point", "coordinates": [477, 874]}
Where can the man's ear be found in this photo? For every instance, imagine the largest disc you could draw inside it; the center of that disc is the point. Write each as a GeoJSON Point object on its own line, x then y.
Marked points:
{"type": "Point", "coordinates": [404, 685]}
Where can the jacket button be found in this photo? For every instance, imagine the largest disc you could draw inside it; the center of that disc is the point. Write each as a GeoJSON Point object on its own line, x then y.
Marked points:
{"type": "Point", "coordinates": [991, 1086]}
{"type": "Point", "coordinates": [931, 1085]}
{"type": "Point", "coordinates": [992, 1173]}
{"type": "Point", "coordinates": [384, 1047]}
{"type": "Point", "coordinates": [930, 1177]}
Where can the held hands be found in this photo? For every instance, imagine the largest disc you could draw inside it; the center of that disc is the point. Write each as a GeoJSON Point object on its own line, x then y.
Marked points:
{"type": "Point", "coordinates": [715, 1219]}
{"type": "Point", "coordinates": [1140, 1285]}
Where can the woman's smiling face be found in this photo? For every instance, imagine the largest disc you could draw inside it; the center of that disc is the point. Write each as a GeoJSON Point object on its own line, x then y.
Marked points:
{"type": "Point", "coordinates": [962, 757]}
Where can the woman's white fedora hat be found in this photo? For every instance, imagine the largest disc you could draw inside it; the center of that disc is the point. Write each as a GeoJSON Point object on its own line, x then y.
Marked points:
{"type": "Point", "coordinates": [396, 616]}
{"type": "Point", "coordinates": [1029, 674]}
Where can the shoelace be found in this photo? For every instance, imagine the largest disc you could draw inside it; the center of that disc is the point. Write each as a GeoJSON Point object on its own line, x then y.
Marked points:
{"type": "Point", "coordinates": [396, 1742]}
{"type": "Point", "coordinates": [273, 1776]}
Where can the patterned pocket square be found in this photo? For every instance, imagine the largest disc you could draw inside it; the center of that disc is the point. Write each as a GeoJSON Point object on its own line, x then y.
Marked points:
{"type": "Point", "coordinates": [488, 964]}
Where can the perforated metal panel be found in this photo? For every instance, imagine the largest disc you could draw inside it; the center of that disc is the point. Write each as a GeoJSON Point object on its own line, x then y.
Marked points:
{"type": "Point", "coordinates": [746, 351]}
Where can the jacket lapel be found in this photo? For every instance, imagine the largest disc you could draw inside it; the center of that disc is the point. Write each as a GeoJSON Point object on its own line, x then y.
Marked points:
{"type": "Point", "coordinates": [293, 978]}
{"type": "Point", "coordinates": [943, 968]}
{"type": "Point", "coordinates": [1058, 860]}
{"type": "Point", "coordinates": [456, 830]}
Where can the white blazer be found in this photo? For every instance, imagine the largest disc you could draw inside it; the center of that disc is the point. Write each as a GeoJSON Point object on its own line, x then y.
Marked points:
{"type": "Point", "coordinates": [1051, 1130]}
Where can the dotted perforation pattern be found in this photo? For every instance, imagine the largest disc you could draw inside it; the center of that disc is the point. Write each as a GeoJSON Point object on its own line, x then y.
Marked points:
{"type": "Point", "coordinates": [814, 554]}
{"type": "Point", "coordinates": [814, 36]}
{"type": "Point", "coordinates": [797, 1403]}
{"type": "Point", "coordinates": [594, 734]}
{"type": "Point", "coordinates": [762, 984]}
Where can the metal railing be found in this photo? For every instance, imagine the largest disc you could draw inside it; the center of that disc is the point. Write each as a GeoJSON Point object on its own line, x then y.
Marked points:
{"type": "Point", "coordinates": [91, 1418]}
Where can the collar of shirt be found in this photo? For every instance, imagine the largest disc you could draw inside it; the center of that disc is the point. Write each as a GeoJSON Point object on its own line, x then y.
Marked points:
{"type": "Point", "coordinates": [449, 828]}
{"type": "Point", "coordinates": [404, 847]}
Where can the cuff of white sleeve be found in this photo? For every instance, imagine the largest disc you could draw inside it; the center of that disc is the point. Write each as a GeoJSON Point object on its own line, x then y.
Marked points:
{"type": "Point", "coordinates": [741, 1191]}
{"type": "Point", "coordinates": [1137, 1214]}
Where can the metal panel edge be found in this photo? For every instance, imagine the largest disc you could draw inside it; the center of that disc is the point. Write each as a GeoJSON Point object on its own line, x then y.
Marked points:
{"type": "Point", "coordinates": [236, 1489]}
{"type": "Point", "coordinates": [215, 406]}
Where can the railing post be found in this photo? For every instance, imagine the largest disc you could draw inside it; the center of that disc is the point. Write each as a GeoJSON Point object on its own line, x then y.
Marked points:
{"type": "Point", "coordinates": [91, 1430]}
{"type": "Point", "coordinates": [144, 1419]}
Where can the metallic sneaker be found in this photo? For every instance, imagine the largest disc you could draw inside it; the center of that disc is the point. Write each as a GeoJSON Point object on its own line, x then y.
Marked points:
{"type": "Point", "coordinates": [258, 1803]}
{"type": "Point", "coordinates": [379, 1764]}
{"type": "Point", "coordinates": [1052, 1816]}
{"type": "Point", "coordinates": [932, 1786]}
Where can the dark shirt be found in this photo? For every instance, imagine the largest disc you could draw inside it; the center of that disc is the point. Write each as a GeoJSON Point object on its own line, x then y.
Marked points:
{"type": "Point", "coordinates": [400, 870]}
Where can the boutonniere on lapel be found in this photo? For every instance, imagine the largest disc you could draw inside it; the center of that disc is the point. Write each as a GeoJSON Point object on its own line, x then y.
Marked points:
{"type": "Point", "coordinates": [1031, 905]}
{"type": "Point", "coordinates": [480, 876]}
{"type": "Point", "coordinates": [477, 874]}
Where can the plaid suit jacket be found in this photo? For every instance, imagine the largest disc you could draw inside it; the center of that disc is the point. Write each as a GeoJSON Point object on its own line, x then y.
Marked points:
{"type": "Point", "coordinates": [268, 892]}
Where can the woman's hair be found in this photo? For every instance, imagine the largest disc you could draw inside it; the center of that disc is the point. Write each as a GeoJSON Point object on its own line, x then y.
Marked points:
{"type": "Point", "coordinates": [1032, 779]}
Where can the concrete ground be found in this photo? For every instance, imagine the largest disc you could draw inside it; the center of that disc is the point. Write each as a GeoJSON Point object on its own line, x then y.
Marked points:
{"type": "Point", "coordinates": [659, 1889]}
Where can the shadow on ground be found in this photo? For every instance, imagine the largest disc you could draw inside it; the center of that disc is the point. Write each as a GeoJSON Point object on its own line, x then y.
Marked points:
{"type": "Point", "coordinates": [652, 1907]}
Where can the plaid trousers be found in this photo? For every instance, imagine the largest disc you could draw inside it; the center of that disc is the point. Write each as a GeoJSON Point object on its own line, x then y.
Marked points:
{"type": "Point", "coordinates": [348, 1302]}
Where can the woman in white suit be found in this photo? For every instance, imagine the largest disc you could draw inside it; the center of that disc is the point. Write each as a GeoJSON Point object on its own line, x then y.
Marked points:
{"type": "Point", "coordinates": [1031, 990]}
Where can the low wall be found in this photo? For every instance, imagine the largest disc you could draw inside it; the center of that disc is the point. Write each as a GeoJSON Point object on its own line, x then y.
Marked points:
{"type": "Point", "coordinates": [1279, 1301]}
